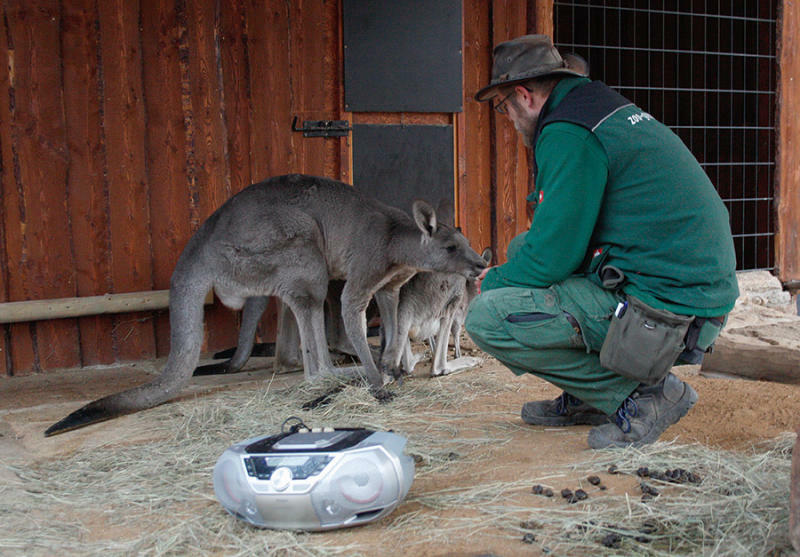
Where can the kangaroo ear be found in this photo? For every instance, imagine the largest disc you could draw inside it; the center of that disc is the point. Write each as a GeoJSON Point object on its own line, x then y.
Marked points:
{"type": "Point", "coordinates": [445, 211]}
{"type": "Point", "coordinates": [424, 216]}
{"type": "Point", "coordinates": [486, 255]}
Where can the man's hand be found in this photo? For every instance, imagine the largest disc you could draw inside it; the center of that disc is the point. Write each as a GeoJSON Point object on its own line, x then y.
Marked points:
{"type": "Point", "coordinates": [479, 278]}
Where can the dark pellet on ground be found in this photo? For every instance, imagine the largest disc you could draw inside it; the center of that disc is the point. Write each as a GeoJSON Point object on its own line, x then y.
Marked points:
{"type": "Point", "coordinates": [566, 493]}
{"type": "Point", "coordinates": [613, 469]}
{"type": "Point", "coordinates": [547, 492]}
{"type": "Point", "coordinates": [537, 489]}
{"type": "Point", "coordinates": [611, 540]}
{"type": "Point", "coordinates": [643, 472]}
{"type": "Point", "coordinates": [528, 538]}
{"type": "Point", "coordinates": [642, 539]}
{"type": "Point", "coordinates": [649, 489]}
{"type": "Point", "coordinates": [594, 480]}
{"type": "Point", "coordinates": [580, 495]}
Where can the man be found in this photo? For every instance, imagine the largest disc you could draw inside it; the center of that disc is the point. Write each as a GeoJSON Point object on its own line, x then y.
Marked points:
{"type": "Point", "coordinates": [624, 219]}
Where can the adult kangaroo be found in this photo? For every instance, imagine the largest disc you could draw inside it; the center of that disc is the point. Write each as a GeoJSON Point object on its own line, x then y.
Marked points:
{"type": "Point", "coordinates": [288, 237]}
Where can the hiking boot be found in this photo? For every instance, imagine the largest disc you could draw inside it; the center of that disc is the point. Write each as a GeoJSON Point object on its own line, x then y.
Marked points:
{"type": "Point", "coordinates": [645, 415]}
{"type": "Point", "coordinates": [565, 410]}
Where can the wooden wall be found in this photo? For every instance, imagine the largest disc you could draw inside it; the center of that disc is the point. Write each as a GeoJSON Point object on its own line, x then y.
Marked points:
{"type": "Point", "coordinates": [787, 240]}
{"type": "Point", "coordinates": [123, 125]}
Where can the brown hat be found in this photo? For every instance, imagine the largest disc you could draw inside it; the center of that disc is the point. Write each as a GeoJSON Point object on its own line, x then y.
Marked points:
{"type": "Point", "coordinates": [524, 58]}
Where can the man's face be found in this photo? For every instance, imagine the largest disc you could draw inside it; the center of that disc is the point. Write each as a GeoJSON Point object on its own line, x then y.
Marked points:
{"type": "Point", "coordinates": [523, 109]}
{"type": "Point", "coordinates": [524, 119]}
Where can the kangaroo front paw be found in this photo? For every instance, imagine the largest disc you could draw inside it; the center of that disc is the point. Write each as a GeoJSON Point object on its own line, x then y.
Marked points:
{"type": "Point", "coordinates": [392, 371]}
{"type": "Point", "coordinates": [383, 394]}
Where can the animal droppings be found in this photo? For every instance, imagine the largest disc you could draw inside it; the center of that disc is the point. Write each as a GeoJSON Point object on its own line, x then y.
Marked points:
{"type": "Point", "coordinates": [611, 540]}
{"type": "Point", "coordinates": [528, 538]}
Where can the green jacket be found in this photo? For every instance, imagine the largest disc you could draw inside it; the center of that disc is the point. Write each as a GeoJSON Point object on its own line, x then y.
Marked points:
{"type": "Point", "coordinates": [626, 193]}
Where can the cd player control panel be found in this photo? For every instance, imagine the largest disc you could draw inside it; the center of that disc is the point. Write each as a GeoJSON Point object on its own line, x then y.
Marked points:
{"type": "Point", "coordinates": [301, 466]}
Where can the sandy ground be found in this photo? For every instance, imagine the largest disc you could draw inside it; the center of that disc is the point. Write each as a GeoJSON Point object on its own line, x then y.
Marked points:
{"type": "Point", "coordinates": [731, 414]}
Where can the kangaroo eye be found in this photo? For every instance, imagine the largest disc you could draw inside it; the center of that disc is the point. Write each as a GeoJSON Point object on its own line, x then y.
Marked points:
{"type": "Point", "coordinates": [451, 248]}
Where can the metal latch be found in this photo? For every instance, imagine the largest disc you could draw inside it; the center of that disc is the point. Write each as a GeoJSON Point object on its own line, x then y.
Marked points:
{"type": "Point", "coordinates": [322, 128]}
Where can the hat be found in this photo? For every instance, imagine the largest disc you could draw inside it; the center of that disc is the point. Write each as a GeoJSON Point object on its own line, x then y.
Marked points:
{"type": "Point", "coordinates": [527, 57]}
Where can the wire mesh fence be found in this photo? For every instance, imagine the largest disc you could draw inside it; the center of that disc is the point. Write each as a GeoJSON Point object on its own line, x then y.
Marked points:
{"type": "Point", "coordinates": [708, 70]}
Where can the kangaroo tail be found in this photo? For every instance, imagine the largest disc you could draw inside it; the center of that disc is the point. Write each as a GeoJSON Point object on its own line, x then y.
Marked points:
{"type": "Point", "coordinates": [187, 292]}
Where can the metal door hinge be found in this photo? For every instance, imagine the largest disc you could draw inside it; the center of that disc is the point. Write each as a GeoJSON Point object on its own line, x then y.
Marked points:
{"type": "Point", "coordinates": [322, 128]}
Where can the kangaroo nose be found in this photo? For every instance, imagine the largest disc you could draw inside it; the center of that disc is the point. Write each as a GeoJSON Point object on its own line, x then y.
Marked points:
{"type": "Point", "coordinates": [477, 267]}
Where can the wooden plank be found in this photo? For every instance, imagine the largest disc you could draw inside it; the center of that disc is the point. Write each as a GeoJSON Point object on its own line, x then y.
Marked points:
{"type": "Point", "coordinates": [761, 361]}
{"type": "Point", "coordinates": [346, 145]}
{"type": "Point", "coordinates": [235, 68]}
{"type": "Point", "coordinates": [314, 42]}
{"type": "Point", "coordinates": [124, 125]}
{"type": "Point", "coordinates": [474, 131]}
{"type": "Point", "coordinates": [8, 189]}
{"type": "Point", "coordinates": [512, 173]}
{"type": "Point", "coordinates": [402, 118]}
{"type": "Point", "coordinates": [270, 89]}
{"type": "Point", "coordinates": [207, 158]}
{"type": "Point", "coordinates": [271, 105]}
{"type": "Point", "coordinates": [171, 193]}
{"type": "Point", "coordinates": [88, 199]}
{"type": "Point", "coordinates": [37, 310]}
{"type": "Point", "coordinates": [540, 17]}
{"type": "Point", "coordinates": [41, 245]}
{"type": "Point", "coordinates": [787, 239]}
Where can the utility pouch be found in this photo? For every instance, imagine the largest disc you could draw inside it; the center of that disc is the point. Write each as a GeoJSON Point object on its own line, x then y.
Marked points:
{"type": "Point", "coordinates": [642, 342]}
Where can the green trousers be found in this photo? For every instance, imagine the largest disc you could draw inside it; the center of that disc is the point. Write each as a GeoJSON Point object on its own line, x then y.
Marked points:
{"type": "Point", "coordinates": [554, 333]}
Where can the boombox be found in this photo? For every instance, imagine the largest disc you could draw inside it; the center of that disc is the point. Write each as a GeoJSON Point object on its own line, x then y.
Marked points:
{"type": "Point", "coordinates": [314, 480]}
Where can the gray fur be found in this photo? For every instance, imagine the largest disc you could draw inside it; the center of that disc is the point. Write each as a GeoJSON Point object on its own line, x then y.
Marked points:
{"type": "Point", "coordinates": [434, 305]}
{"type": "Point", "coordinates": [288, 237]}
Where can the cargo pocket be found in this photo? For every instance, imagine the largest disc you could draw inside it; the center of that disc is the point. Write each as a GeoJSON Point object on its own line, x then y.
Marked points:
{"type": "Point", "coordinates": [535, 320]}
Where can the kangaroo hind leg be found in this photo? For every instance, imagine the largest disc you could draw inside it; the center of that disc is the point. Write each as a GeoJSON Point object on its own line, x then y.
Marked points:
{"type": "Point", "coordinates": [251, 314]}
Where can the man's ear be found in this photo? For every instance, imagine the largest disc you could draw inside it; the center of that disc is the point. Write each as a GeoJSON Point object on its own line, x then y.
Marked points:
{"type": "Point", "coordinates": [524, 97]}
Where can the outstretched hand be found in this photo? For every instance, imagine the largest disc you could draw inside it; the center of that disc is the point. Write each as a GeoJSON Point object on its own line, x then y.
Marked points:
{"type": "Point", "coordinates": [480, 277]}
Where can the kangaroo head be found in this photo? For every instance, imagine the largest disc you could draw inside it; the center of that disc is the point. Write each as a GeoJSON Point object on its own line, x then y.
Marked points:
{"type": "Point", "coordinates": [443, 248]}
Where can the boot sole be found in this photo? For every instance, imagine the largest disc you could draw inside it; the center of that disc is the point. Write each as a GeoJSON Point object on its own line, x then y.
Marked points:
{"type": "Point", "coordinates": [673, 416]}
{"type": "Point", "coordinates": [588, 418]}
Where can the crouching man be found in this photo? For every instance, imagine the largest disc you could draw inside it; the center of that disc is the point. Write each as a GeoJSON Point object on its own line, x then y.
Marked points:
{"type": "Point", "coordinates": [628, 265]}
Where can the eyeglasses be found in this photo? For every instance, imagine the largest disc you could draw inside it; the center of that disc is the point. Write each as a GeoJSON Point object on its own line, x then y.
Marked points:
{"type": "Point", "coordinates": [500, 107]}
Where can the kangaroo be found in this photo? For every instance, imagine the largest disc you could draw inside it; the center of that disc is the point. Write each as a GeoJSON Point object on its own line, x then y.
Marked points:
{"type": "Point", "coordinates": [433, 306]}
{"type": "Point", "coordinates": [288, 237]}
{"type": "Point", "coordinates": [286, 347]}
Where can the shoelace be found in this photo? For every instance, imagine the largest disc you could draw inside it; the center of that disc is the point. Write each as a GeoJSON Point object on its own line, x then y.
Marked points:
{"type": "Point", "coordinates": [564, 401]}
{"type": "Point", "coordinates": [627, 410]}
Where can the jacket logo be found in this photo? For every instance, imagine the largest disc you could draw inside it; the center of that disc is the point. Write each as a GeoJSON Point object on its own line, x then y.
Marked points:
{"type": "Point", "coordinates": [636, 118]}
